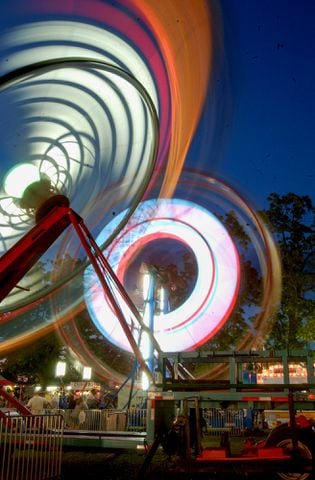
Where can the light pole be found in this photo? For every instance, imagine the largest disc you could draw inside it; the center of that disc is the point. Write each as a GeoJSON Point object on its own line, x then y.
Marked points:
{"type": "Point", "coordinates": [146, 345]}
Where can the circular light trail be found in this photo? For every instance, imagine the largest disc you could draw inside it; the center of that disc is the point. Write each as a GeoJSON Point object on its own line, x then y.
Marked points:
{"type": "Point", "coordinates": [144, 38]}
{"type": "Point", "coordinates": [59, 123]}
{"type": "Point", "coordinates": [251, 318]}
{"type": "Point", "coordinates": [216, 287]}
{"type": "Point", "coordinates": [89, 127]}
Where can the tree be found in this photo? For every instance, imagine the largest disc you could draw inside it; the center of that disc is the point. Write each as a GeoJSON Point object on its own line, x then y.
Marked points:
{"type": "Point", "coordinates": [291, 218]}
{"type": "Point", "coordinates": [36, 361]}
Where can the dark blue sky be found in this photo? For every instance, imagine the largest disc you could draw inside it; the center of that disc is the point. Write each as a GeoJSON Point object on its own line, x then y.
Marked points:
{"type": "Point", "coordinates": [264, 96]}
{"type": "Point", "coordinates": [257, 131]}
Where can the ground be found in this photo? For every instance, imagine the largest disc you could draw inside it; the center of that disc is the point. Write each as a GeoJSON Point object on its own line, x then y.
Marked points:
{"type": "Point", "coordinates": [127, 465]}
{"type": "Point", "coordinates": [104, 465]}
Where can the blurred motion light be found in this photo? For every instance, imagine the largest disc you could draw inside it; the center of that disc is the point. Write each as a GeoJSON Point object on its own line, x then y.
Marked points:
{"type": "Point", "coordinates": [94, 130]}
{"type": "Point", "coordinates": [212, 299]}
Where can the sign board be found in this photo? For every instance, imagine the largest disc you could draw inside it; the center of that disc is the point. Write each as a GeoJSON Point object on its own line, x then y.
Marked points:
{"type": "Point", "coordinates": [84, 385]}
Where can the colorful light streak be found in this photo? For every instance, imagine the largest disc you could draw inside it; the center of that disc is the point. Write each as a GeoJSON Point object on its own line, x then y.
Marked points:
{"type": "Point", "coordinates": [158, 46]}
{"type": "Point", "coordinates": [221, 198]}
{"type": "Point", "coordinates": [67, 304]}
{"type": "Point", "coordinates": [170, 50]}
{"type": "Point", "coordinates": [114, 138]}
{"type": "Point", "coordinates": [216, 287]}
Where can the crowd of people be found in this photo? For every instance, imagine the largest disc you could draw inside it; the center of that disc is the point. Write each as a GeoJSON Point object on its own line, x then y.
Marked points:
{"type": "Point", "coordinates": [73, 405]}
{"type": "Point", "coordinates": [40, 401]}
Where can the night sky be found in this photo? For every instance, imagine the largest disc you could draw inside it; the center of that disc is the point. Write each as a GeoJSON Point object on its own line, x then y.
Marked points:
{"type": "Point", "coordinates": [264, 96]}
{"type": "Point", "coordinates": [260, 106]}
{"type": "Point", "coordinates": [255, 131]}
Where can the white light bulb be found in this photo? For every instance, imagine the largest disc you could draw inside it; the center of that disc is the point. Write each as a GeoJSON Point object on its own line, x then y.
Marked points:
{"type": "Point", "coordinates": [19, 178]}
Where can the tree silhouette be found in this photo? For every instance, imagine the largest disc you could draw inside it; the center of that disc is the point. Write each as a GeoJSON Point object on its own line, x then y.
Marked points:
{"type": "Point", "coordinates": [36, 361]}
{"type": "Point", "coordinates": [292, 220]}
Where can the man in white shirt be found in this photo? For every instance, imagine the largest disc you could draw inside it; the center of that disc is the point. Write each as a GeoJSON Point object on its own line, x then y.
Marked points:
{"type": "Point", "coordinates": [37, 403]}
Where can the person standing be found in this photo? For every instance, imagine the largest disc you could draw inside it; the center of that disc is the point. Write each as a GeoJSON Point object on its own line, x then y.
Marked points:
{"type": "Point", "coordinates": [78, 415]}
{"type": "Point", "coordinates": [92, 399]}
{"type": "Point", "coordinates": [37, 403]}
{"type": "Point", "coordinates": [54, 401]}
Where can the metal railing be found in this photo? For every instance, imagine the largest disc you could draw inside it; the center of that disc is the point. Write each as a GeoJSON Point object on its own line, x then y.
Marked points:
{"type": "Point", "coordinates": [219, 421]}
{"type": "Point", "coordinates": [137, 420]}
{"type": "Point", "coordinates": [96, 420]}
{"type": "Point", "coordinates": [30, 446]}
{"type": "Point", "coordinates": [133, 420]}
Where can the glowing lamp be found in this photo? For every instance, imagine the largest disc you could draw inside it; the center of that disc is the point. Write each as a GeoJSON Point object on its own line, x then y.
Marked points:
{"type": "Point", "coordinates": [51, 388]}
{"type": "Point", "coordinates": [145, 382]}
{"type": "Point", "coordinates": [33, 190]}
{"type": "Point", "coordinates": [87, 373]}
{"type": "Point", "coordinates": [60, 369]}
{"type": "Point", "coordinates": [19, 178]}
{"type": "Point", "coordinates": [146, 284]}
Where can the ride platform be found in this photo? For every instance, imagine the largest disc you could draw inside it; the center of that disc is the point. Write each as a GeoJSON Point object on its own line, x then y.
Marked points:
{"type": "Point", "coordinates": [103, 439]}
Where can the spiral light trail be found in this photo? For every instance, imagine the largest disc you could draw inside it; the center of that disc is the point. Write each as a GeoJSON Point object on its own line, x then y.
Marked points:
{"type": "Point", "coordinates": [104, 98]}
{"type": "Point", "coordinates": [193, 218]}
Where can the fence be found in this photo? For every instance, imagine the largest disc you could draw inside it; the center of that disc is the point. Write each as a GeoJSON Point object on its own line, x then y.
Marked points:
{"type": "Point", "coordinates": [219, 421]}
{"type": "Point", "coordinates": [135, 420]}
{"type": "Point", "coordinates": [30, 447]}
{"type": "Point", "coordinates": [96, 420]}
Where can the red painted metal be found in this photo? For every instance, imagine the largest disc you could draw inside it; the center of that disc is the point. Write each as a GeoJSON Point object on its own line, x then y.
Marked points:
{"type": "Point", "coordinates": [16, 262]}
{"type": "Point", "coordinates": [76, 222]}
{"type": "Point", "coordinates": [14, 402]}
{"type": "Point", "coordinates": [51, 223]}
